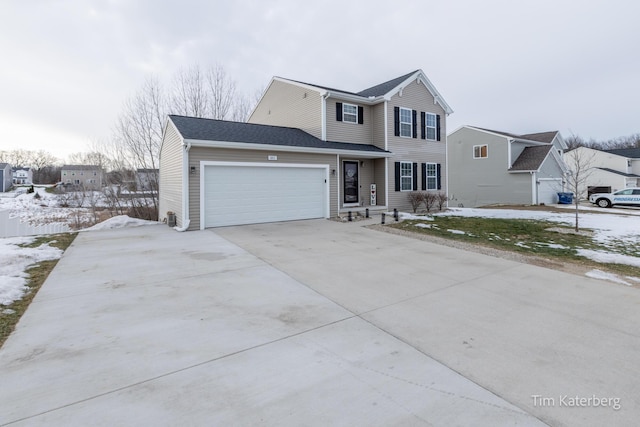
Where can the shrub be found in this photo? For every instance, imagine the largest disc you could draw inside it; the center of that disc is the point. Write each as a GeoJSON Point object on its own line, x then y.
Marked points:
{"type": "Point", "coordinates": [441, 199]}
{"type": "Point", "coordinates": [415, 198]}
{"type": "Point", "coordinates": [429, 200]}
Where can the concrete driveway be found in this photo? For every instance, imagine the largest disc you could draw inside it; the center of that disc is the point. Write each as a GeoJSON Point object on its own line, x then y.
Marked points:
{"type": "Point", "coordinates": [314, 323]}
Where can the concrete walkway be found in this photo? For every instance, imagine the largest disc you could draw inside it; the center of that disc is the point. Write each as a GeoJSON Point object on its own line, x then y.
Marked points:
{"type": "Point", "coordinates": [313, 323]}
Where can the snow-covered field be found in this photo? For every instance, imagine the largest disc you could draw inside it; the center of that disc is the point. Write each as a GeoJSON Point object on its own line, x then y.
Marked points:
{"type": "Point", "coordinates": [15, 259]}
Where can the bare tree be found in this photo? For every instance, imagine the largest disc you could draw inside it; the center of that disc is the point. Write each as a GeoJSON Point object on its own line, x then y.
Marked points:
{"type": "Point", "coordinates": [580, 164]}
{"type": "Point", "coordinates": [40, 162]}
{"type": "Point", "coordinates": [189, 96]}
{"type": "Point", "coordinates": [221, 93]}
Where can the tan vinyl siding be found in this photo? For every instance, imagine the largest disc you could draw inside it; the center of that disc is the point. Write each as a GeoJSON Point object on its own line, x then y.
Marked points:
{"type": "Point", "coordinates": [198, 154]}
{"type": "Point", "coordinates": [285, 104]}
{"type": "Point", "coordinates": [345, 131]}
{"type": "Point", "coordinates": [377, 119]}
{"type": "Point", "coordinates": [415, 96]}
{"type": "Point", "coordinates": [170, 180]}
{"type": "Point", "coordinates": [481, 182]}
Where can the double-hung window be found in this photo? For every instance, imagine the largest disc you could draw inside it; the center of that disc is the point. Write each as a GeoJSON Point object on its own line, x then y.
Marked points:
{"type": "Point", "coordinates": [406, 122]}
{"type": "Point", "coordinates": [430, 126]}
{"type": "Point", "coordinates": [431, 173]}
{"type": "Point", "coordinates": [406, 176]}
{"type": "Point", "coordinates": [349, 113]}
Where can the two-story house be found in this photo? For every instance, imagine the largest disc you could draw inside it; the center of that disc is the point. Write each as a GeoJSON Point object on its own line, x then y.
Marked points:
{"type": "Point", "coordinates": [607, 170]}
{"type": "Point", "coordinates": [22, 176]}
{"type": "Point", "coordinates": [5, 177]}
{"type": "Point", "coordinates": [494, 167]}
{"type": "Point", "coordinates": [81, 177]}
{"type": "Point", "coordinates": [308, 151]}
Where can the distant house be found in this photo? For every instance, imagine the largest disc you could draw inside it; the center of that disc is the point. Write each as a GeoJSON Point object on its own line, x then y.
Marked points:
{"type": "Point", "coordinates": [493, 167]}
{"type": "Point", "coordinates": [609, 170]}
{"type": "Point", "coordinates": [5, 177]}
{"type": "Point", "coordinates": [147, 179]}
{"type": "Point", "coordinates": [22, 176]}
{"type": "Point", "coordinates": [82, 176]}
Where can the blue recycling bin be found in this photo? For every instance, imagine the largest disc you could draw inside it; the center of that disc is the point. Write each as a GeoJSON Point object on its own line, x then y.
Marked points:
{"type": "Point", "coordinates": [565, 198]}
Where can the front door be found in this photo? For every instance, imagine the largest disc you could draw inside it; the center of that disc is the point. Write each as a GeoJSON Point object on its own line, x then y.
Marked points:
{"type": "Point", "coordinates": [350, 182]}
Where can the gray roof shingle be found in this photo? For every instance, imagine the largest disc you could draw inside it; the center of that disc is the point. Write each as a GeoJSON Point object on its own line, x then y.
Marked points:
{"type": "Point", "coordinates": [386, 87]}
{"type": "Point", "coordinates": [222, 130]}
{"type": "Point", "coordinates": [631, 153]}
{"type": "Point", "coordinates": [538, 137]}
{"type": "Point", "coordinates": [80, 167]}
{"type": "Point", "coordinates": [531, 158]}
{"type": "Point", "coordinates": [628, 175]}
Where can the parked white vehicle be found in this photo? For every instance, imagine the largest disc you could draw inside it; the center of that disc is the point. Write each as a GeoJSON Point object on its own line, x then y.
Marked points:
{"type": "Point", "coordinates": [626, 197]}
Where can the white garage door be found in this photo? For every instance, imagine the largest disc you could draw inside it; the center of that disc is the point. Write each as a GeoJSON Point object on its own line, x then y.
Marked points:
{"type": "Point", "coordinates": [548, 190]}
{"type": "Point", "coordinates": [239, 193]}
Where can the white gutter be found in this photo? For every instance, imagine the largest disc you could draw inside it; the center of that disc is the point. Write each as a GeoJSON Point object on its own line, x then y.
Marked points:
{"type": "Point", "coordinates": [185, 188]}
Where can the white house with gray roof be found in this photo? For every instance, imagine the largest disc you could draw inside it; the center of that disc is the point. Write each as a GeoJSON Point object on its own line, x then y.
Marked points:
{"type": "Point", "coordinates": [308, 151]}
{"type": "Point", "coordinates": [491, 167]}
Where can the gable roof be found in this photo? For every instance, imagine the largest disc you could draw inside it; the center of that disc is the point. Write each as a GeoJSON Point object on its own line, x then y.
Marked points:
{"type": "Point", "coordinates": [80, 167]}
{"type": "Point", "coordinates": [3, 165]}
{"type": "Point", "coordinates": [383, 91]}
{"type": "Point", "coordinates": [632, 153]}
{"type": "Point", "coordinates": [199, 129]}
{"type": "Point", "coordinates": [628, 175]}
{"type": "Point", "coordinates": [531, 158]}
{"type": "Point", "coordinates": [546, 137]}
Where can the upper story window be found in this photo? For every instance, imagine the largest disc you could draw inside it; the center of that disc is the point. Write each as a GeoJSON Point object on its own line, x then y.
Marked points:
{"type": "Point", "coordinates": [406, 122]}
{"type": "Point", "coordinates": [406, 176]}
{"type": "Point", "coordinates": [480, 151]}
{"type": "Point", "coordinates": [349, 113]}
{"type": "Point", "coordinates": [430, 125]}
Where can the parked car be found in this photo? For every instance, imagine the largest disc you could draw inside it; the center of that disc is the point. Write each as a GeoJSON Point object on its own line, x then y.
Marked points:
{"type": "Point", "coordinates": [626, 197]}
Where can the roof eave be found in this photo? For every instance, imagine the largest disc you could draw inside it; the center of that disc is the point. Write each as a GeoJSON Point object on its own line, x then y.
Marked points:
{"type": "Point", "coordinates": [280, 148]}
{"type": "Point", "coordinates": [422, 78]}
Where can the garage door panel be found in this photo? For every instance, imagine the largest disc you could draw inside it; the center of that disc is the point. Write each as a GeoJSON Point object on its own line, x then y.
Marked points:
{"type": "Point", "coordinates": [235, 195]}
{"type": "Point", "coordinates": [548, 191]}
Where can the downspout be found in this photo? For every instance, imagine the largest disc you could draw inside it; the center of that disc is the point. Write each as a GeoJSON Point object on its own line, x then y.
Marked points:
{"type": "Point", "coordinates": [185, 189]}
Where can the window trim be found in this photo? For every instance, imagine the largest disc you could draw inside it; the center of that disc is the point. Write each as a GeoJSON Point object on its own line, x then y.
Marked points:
{"type": "Point", "coordinates": [434, 176]}
{"type": "Point", "coordinates": [410, 122]}
{"type": "Point", "coordinates": [410, 176]}
{"type": "Point", "coordinates": [345, 113]}
{"type": "Point", "coordinates": [486, 154]}
{"type": "Point", "coordinates": [434, 127]}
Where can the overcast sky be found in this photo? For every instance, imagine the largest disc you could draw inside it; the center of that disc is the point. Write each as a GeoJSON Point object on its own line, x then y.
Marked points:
{"type": "Point", "coordinates": [518, 66]}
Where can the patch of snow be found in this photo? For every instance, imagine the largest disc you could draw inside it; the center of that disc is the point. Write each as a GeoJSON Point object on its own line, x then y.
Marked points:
{"type": "Point", "coordinates": [452, 231]}
{"type": "Point", "coordinates": [14, 260]}
{"type": "Point", "coordinates": [522, 245]}
{"type": "Point", "coordinates": [609, 258]}
{"type": "Point", "coordinates": [120, 221]}
{"type": "Point", "coordinates": [598, 274]}
{"type": "Point", "coordinates": [423, 225]}
{"type": "Point", "coordinates": [633, 279]}
{"type": "Point", "coordinates": [551, 245]}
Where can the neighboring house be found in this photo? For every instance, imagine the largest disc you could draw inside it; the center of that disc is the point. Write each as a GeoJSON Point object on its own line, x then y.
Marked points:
{"type": "Point", "coordinates": [22, 176]}
{"type": "Point", "coordinates": [608, 170]}
{"type": "Point", "coordinates": [491, 167]}
{"type": "Point", "coordinates": [88, 177]}
{"type": "Point", "coordinates": [6, 177]}
{"type": "Point", "coordinates": [147, 179]}
{"type": "Point", "coordinates": [308, 151]}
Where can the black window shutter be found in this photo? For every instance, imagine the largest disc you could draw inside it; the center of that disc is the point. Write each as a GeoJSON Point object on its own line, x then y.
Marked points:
{"type": "Point", "coordinates": [423, 126]}
{"type": "Point", "coordinates": [396, 122]}
{"type": "Point", "coordinates": [438, 127]}
{"type": "Point", "coordinates": [339, 111]}
{"type": "Point", "coordinates": [360, 115]}
{"type": "Point", "coordinates": [438, 180]}
{"type": "Point", "coordinates": [415, 176]}
{"type": "Point", "coordinates": [397, 176]}
{"type": "Point", "coordinates": [415, 123]}
{"type": "Point", "coordinates": [424, 175]}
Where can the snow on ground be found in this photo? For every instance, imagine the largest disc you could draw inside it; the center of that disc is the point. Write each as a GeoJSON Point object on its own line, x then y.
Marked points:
{"type": "Point", "coordinates": [598, 274]}
{"type": "Point", "coordinates": [120, 221]}
{"type": "Point", "coordinates": [14, 260]}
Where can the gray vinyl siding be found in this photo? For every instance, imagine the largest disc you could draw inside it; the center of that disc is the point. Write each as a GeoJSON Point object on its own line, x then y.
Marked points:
{"type": "Point", "coordinates": [417, 97]}
{"type": "Point", "coordinates": [481, 182]}
{"type": "Point", "coordinates": [285, 104]}
{"type": "Point", "coordinates": [198, 154]}
{"type": "Point", "coordinates": [379, 177]}
{"type": "Point", "coordinates": [550, 168]}
{"type": "Point", "coordinates": [345, 131]}
{"type": "Point", "coordinates": [170, 176]}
